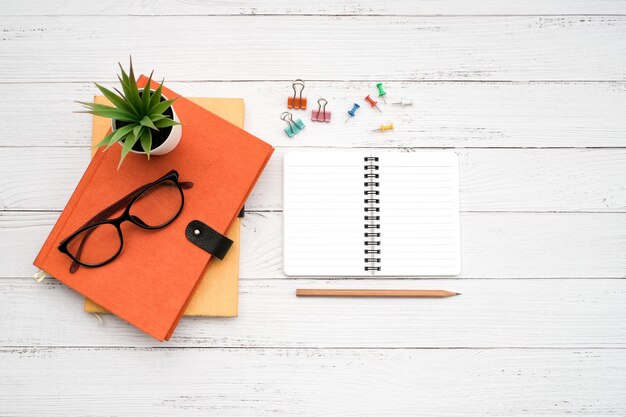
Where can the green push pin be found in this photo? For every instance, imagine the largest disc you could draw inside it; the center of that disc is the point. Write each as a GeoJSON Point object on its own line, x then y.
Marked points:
{"type": "Point", "coordinates": [381, 93]}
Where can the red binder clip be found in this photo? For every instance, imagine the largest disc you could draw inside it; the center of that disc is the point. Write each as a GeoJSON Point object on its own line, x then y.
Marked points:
{"type": "Point", "coordinates": [321, 115]}
{"type": "Point", "coordinates": [297, 101]}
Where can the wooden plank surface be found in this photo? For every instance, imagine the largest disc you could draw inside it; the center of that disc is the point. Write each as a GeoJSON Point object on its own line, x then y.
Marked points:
{"type": "Point", "coordinates": [444, 114]}
{"type": "Point", "coordinates": [266, 382]}
{"type": "Point", "coordinates": [304, 7]}
{"type": "Point", "coordinates": [494, 245]}
{"type": "Point", "coordinates": [491, 179]}
{"type": "Point", "coordinates": [498, 313]}
{"type": "Point", "coordinates": [530, 94]}
{"type": "Point", "coordinates": [377, 48]}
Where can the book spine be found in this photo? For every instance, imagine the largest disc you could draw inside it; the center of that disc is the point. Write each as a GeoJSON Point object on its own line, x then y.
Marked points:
{"type": "Point", "coordinates": [372, 214]}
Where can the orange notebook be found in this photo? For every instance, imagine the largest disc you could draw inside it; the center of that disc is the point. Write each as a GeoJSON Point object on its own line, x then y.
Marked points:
{"type": "Point", "coordinates": [217, 292]}
{"type": "Point", "coordinates": [150, 283]}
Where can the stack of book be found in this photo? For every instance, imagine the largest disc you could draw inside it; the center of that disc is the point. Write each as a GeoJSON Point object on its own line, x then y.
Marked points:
{"type": "Point", "coordinates": [161, 274]}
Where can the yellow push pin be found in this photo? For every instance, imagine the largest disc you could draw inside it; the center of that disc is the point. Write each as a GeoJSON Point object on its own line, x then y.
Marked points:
{"type": "Point", "coordinates": [384, 127]}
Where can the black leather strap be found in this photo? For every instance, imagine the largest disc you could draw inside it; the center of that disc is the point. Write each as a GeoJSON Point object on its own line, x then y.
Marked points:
{"type": "Point", "coordinates": [208, 239]}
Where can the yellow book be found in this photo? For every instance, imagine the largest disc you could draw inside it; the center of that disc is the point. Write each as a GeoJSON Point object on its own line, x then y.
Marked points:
{"type": "Point", "coordinates": [218, 291]}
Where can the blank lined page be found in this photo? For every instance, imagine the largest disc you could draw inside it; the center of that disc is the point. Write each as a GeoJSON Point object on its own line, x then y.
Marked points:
{"type": "Point", "coordinates": [419, 213]}
{"type": "Point", "coordinates": [323, 213]}
{"type": "Point", "coordinates": [325, 210]}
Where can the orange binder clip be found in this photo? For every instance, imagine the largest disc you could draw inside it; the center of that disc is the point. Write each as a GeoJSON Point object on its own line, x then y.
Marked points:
{"type": "Point", "coordinates": [297, 101]}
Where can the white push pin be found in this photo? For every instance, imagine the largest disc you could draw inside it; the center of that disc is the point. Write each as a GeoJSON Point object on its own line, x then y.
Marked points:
{"type": "Point", "coordinates": [404, 102]}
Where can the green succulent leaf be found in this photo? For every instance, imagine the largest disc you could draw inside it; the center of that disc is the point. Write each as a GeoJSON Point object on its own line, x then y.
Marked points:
{"type": "Point", "coordinates": [123, 138]}
{"type": "Point", "coordinates": [161, 107]}
{"type": "Point", "coordinates": [119, 134]}
{"type": "Point", "coordinates": [146, 141]}
{"type": "Point", "coordinates": [112, 114]}
{"type": "Point", "coordinates": [131, 98]}
{"type": "Point", "coordinates": [117, 101]}
{"type": "Point", "coordinates": [129, 142]}
{"type": "Point", "coordinates": [133, 94]}
{"type": "Point", "coordinates": [125, 89]}
{"type": "Point", "coordinates": [105, 140]}
{"type": "Point", "coordinates": [94, 105]}
{"type": "Point", "coordinates": [145, 96]}
{"type": "Point", "coordinates": [108, 111]}
{"type": "Point", "coordinates": [120, 93]}
{"type": "Point", "coordinates": [165, 123]}
{"type": "Point", "coordinates": [137, 130]}
{"type": "Point", "coordinates": [124, 79]}
{"type": "Point", "coordinates": [155, 98]}
{"type": "Point", "coordinates": [147, 123]}
{"type": "Point", "coordinates": [156, 117]}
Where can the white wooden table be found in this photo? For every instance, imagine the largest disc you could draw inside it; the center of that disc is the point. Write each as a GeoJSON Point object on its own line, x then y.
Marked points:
{"type": "Point", "coordinates": [530, 94]}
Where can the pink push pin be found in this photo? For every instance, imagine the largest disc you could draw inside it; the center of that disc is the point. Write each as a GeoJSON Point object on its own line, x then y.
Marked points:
{"type": "Point", "coordinates": [372, 102]}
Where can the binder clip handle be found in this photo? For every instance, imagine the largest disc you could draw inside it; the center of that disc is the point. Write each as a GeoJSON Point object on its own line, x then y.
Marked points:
{"type": "Point", "coordinates": [321, 115]}
{"type": "Point", "coordinates": [297, 82]}
{"type": "Point", "coordinates": [297, 101]}
{"type": "Point", "coordinates": [288, 118]}
{"type": "Point", "coordinates": [293, 127]}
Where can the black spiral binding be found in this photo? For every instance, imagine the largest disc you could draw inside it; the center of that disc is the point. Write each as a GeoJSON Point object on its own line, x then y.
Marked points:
{"type": "Point", "coordinates": [372, 214]}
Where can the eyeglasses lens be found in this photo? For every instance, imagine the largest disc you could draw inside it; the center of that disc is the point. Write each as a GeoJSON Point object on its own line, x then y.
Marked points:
{"type": "Point", "coordinates": [95, 245]}
{"type": "Point", "coordinates": [158, 205]}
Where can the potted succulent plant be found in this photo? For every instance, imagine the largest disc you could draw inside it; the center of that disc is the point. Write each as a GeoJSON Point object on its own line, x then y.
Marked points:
{"type": "Point", "coordinates": [140, 122]}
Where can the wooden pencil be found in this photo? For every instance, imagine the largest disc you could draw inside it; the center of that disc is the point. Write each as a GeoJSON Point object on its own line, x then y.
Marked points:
{"type": "Point", "coordinates": [312, 292]}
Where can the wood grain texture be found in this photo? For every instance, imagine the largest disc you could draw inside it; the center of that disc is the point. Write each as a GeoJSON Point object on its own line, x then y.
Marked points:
{"type": "Point", "coordinates": [298, 382]}
{"type": "Point", "coordinates": [494, 245]}
{"type": "Point", "coordinates": [304, 7]}
{"type": "Point", "coordinates": [521, 48]}
{"type": "Point", "coordinates": [444, 114]}
{"type": "Point", "coordinates": [490, 179]}
{"type": "Point", "coordinates": [490, 313]}
{"type": "Point", "coordinates": [492, 79]}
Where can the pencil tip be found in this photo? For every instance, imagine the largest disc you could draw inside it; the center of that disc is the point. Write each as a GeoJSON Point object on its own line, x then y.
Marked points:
{"type": "Point", "coordinates": [458, 293]}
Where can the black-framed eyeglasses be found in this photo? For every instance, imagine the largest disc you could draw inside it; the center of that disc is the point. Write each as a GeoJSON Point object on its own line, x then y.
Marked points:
{"type": "Point", "coordinates": [151, 206]}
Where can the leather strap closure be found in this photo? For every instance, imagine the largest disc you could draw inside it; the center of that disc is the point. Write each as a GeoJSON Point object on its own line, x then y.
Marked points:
{"type": "Point", "coordinates": [208, 239]}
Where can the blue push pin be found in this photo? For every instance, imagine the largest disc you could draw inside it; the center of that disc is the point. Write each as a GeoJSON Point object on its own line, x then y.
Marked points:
{"type": "Point", "coordinates": [353, 111]}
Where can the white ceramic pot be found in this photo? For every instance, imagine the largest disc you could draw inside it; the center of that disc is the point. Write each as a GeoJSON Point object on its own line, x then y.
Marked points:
{"type": "Point", "coordinates": [170, 142]}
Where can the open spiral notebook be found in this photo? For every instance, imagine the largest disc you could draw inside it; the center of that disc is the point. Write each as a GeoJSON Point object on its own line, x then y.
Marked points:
{"type": "Point", "coordinates": [363, 213]}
